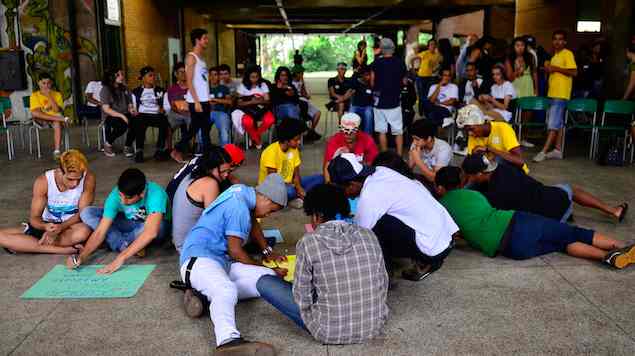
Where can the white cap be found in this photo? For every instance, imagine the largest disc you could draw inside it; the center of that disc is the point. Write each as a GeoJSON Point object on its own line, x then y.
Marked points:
{"type": "Point", "coordinates": [470, 115]}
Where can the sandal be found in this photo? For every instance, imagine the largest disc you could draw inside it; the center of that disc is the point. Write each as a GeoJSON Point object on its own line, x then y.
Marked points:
{"type": "Point", "coordinates": [624, 207]}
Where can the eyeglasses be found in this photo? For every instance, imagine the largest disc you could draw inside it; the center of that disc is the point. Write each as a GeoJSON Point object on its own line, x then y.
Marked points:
{"type": "Point", "coordinates": [348, 131]}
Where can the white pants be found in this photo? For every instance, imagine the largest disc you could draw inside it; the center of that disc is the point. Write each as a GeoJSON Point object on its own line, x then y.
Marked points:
{"type": "Point", "coordinates": [224, 290]}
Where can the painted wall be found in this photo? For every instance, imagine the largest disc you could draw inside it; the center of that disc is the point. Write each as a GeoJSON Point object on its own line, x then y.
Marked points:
{"type": "Point", "coordinates": [41, 29]}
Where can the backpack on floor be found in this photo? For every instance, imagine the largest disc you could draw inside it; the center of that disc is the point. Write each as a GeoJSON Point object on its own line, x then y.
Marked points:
{"type": "Point", "coordinates": [611, 153]}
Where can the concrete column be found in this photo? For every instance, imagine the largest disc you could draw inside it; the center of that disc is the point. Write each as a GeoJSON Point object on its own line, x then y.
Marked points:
{"type": "Point", "coordinates": [617, 19]}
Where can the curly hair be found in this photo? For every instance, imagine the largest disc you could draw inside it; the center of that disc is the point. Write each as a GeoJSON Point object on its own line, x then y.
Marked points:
{"type": "Point", "coordinates": [326, 201]}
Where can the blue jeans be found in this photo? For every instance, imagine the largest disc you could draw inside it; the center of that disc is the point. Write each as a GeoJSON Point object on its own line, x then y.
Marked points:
{"type": "Point", "coordinates": [307, 183]}
{"type": "Point", "coordinates": [123, 231]}
{"type": "Point", "coordinates": [289, 111]}
{"type": "Point", "coordinates": [221, 120]}
{"type": "Point", "coordinates": [279, 293]}
{"type": "Point", "coordinates": [366, 114]}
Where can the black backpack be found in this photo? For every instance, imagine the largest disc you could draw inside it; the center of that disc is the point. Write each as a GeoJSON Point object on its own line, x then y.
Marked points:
{"type": "Point", "coordinates": [611, 152]}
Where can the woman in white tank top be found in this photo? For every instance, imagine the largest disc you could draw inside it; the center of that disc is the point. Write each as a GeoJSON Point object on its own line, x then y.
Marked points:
{"type": "Point", "coordinates": [54, 225]}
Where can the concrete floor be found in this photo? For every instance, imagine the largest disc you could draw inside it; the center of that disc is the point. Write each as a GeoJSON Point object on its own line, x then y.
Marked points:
{"type": "Point", "coordinates": [474, 305]}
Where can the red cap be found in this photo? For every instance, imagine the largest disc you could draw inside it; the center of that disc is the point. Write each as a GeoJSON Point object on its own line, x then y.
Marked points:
{"type": "Point", "coordinates": [237, 155]}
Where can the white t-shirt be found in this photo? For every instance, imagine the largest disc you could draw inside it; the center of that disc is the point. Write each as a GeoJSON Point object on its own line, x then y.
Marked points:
{"type": "Point", "coordinates": [439, 156]}
{"type": "Point", "coordinates": [256, 91]}
{"type": "Point", "coordinates": [450, 91]}
{"type": "Point", "coordinates": [500, 92]}
{"type": "Point", "coordinates": [149, 102]}
{"type": "Point", "coordinates": [94, 88]}
{"type": "Point", "coordinates": [388, 192]}
{"type": "Point", "coordinates": [469, 91]}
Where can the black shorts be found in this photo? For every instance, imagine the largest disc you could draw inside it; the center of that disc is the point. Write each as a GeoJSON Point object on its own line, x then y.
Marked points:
{"type": "Point", "coordinates": [31, 231]}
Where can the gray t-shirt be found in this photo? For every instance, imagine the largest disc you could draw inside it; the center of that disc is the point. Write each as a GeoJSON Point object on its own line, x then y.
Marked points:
{"type": "Point", "coordinates": [439, 156]}
{"type": "Point", "coordinates": [118, 104]}
{"type": "Point", "coordinates": [184, 214]}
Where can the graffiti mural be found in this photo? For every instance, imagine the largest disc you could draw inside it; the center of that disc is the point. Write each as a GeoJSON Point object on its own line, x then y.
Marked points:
{"type": "Point", "coordinates": [47, 42]}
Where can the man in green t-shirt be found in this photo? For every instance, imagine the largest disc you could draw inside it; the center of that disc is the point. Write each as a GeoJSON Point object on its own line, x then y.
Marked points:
{"type": "Point", "coordinates": [134, 215]}
{"type": "Point", "coordinates": [519, 235]}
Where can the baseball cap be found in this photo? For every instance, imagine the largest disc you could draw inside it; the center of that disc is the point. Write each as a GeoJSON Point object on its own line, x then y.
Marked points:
{"type": "Point", "coordinates": [345, 168]}
{"type": "Point", "coordinates": [237, 155]}
{"type": "Point", "coordinates": [478, 163]}
{"type": "Point", "coordinates": [470, 115]}
{"type": "Point", "coordinates": [273, 187]}
{"type": "Point", "coordinates": [350, 122]}
{"type": "Point", "coordinates": [387, 45]}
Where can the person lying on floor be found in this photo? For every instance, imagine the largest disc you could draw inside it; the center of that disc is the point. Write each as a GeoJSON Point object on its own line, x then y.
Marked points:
{"type": "Point", "coordinates": [422, 231]}
{"type": "Point", "coordinates": [507, 187]}
{"type": "Point", "coordinates": [214, 263]}
{"type": "Point", "coordinates": [340, 282]}
{"type": "Point", "coordinates": [134, 215]}
{"type": "Point", "coordinates": [519, 235]}
{"type": "Point", "coordinates": [54, 225]}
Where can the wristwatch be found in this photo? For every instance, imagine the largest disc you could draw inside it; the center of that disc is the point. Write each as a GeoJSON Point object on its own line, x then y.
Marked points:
{"type": "Point", "coordinates": [267, 251]}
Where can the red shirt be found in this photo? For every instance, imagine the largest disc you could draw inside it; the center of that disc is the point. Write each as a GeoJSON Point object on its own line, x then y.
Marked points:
{"type": "Point", "coordinates": [365, 148]}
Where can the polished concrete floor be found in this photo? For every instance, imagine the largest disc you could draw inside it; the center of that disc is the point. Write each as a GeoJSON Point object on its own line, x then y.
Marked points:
{"type": "Point", "coordinates": [554, 304]}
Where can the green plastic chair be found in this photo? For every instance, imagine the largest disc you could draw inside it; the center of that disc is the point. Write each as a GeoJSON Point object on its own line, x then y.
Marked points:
{"type": "Point", "coordinates": [5, 104]}
{"type": "Point", "coordinates": [581, 106]}
{"type": "Point", "coordinates": [618, 109]}
{"type": "Point", "coordinates": [533, 103]}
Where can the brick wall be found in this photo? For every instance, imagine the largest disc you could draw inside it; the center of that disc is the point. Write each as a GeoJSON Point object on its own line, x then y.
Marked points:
{"type": "Point", "coordinates": [146, 29]}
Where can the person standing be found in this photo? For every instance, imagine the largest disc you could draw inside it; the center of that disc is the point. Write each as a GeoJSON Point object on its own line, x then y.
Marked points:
{"type": "Point", "coordinates": [561, 69]}
{"type": "Point", "coordinates": [387, 74]}
{"type": "Point", "coordinates": [197, 95]}
{"type": "Point", "coordinates": [360, 58]}
{"type": "Point", "coordinates": [362, 99]}
{"type": "Point", "coordinates": [429, 64]}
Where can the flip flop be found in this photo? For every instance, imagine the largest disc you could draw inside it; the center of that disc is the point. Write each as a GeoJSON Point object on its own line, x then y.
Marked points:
{"type": "Point", "coordinates": [623, 213]}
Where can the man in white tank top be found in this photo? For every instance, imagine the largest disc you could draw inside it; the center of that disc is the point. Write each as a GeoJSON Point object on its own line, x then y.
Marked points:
{"type": "Point", "coordinates": [58, 195]}
{"type": "Point", "coordinates": [197, 95]}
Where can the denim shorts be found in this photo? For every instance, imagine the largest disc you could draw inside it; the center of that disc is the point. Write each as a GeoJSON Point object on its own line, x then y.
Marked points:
{"type": "Point", "coordinates": [567, 188]}
{"type": "Point", "coordinates": [534, 235]}
{"type": "Point", "coordinates": [555, 117]}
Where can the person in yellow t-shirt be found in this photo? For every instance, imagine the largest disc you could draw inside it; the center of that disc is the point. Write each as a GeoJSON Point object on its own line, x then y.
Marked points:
{"type": "Point", "coordinates": [429, 64]}
{"type": "Point", "coordinates": [561, 69]}
{"type": "Point", "coordinates": [47, 107]}
{"type": "Point", "coordinates": [283, 157]}
{"type": "Point", "coordinates": [497, 139]}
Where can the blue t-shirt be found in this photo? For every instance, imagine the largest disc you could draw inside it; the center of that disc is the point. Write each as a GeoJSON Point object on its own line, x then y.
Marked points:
{"type": "Point", "coordinates": [389, 74]}
{"type": "Point", "coordinates": [155, 200]}
{"type": "Point", "coordinates": [228, 215]}
{"type": "Point", "coordinates": [219, 92]}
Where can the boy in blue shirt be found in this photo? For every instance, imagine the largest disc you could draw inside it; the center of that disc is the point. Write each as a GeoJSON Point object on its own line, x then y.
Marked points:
{"type": "Point", "coordinates": [214, 263]}
{"type": "Point", "coordinates": [134, 215]}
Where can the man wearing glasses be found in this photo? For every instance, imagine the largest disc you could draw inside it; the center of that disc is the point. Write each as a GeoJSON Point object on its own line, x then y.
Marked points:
{"type": "Point", "coordinates": [350, 140]}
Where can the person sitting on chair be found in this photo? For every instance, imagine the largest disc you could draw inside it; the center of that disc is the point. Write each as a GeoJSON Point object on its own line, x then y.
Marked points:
{"type": "Point", "coordinates": [47, 108]}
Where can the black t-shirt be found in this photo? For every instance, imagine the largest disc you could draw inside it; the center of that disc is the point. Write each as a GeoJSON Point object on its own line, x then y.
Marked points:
{"type": "Point", "coordinates": [340, 87]}
{"type": "Point", "coordinates": [363, 94]}
{"type": "Point", "coordinates": [279, 95]}
{"type": "Point", "coordinates": [510, 188]}
{"type": "Point", "coordinates": [389, 73]}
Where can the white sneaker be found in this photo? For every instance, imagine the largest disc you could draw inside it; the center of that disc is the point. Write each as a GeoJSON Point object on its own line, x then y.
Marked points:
{"type": "Point", "coordinates": [297, 203]}
{"type": "Point", "coordinates": [527, 144]}
{"type": "Point", "coordinates": [540, 157]}
{"type": "Point", "coordinates": [108, 150]}
{"type": "Point", "coordinates": [128, 151]}
{"type": "Point", "coordinates": [57, 154]}
{"type": "Point", "coordinates": [555, 154]}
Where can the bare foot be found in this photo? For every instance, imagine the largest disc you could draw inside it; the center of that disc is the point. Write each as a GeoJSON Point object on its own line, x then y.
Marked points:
{"type": "Point", "coordinates": [177, 156]}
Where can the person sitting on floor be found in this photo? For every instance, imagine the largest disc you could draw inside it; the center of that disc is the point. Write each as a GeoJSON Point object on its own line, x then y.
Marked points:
{"type": "Point", "coordinates": [441, 99]}
{"type": "Point", "coordinates": [214, 263]}
{"type": "Point", "coordinates": [506, 187]}
{"type": "Point", "coordinates": [134, 215]}
{"type": "Point", "coordinates": [422, 231]}
{"type": "Point", "coordinates": [340, 282]}
{"type": "Point", "coordinates": [350, 140]}
{"type": "Point", "coordinates": [58, 196]}
{"type": "Point", "coordinates": [148, 101]}
{"type": "Point", "coordinates": [520, 235]}
{"type": "Point", "coordinates": [496, 139]}
{"type": "Point", "coordinates": [283, 157]}
{"type": "Point", "coordinates": [428, 153]}
{"type": "Point", "coordinates": [47, 108]}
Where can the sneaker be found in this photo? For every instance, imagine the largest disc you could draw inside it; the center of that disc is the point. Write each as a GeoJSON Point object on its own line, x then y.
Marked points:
{"type": "Point", "coordinates": [527, 144]}
{"type": "Point", "coordinates": [241, 346]}
{"type": "Point", "coordinates": [108, 150]}
{"type": "Point", "coordinates": [419, 271]}
{"type": "Point", "coordinates": [555, 154]}
{"type": "Point", "coordinates": [541, 156]}
{"type": "Point", "coordinates": [297, 203]}
{"type": "Point", "coordinates": [57, 154]}
{"type": "Point", "coordinates": [138, 157]}
{"type": "Point", "coordinates": [192, 303]}
{"type": "Point", "coordinates": [128, 151]}
{"type": "Point", "coordinates": [621, 258]}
